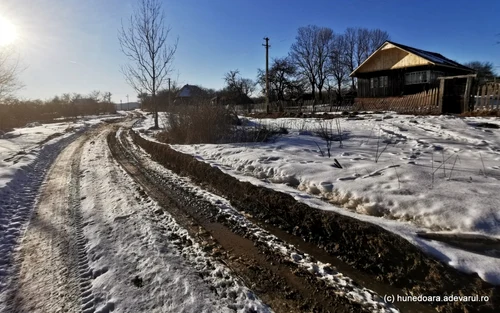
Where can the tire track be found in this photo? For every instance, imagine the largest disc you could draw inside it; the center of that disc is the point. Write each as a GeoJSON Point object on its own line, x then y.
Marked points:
{"type": "Point", "coordinates": [52, 264]}
{"type": "Point", "coordinates": [84, 272]}
{"type": "Point", "coordinates": [17, 201]}
{"type": "Point", "coordinates": [279, 281]}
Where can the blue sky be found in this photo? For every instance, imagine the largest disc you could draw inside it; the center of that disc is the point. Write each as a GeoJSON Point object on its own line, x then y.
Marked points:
{"type": "Point", "coordinates": [72, 46]}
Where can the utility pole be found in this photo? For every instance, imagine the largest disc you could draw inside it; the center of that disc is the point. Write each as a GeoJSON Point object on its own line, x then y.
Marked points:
{"type": "Point", "coordinates": [128, 104]}
{"type": "Point", "coordinates": [267, 72]}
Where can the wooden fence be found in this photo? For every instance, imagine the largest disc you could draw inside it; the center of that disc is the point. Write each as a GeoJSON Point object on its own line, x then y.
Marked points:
{"type": "Point", "coordinates": [487, 97]}
{"type": "Point", "coordinates": [307, 106]}
{"type": "Point", "coordinates": [426, 102]}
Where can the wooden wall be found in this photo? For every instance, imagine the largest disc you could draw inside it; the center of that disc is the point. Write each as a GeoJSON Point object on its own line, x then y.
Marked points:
{"type": "Point", "coordinates": [390, 58]}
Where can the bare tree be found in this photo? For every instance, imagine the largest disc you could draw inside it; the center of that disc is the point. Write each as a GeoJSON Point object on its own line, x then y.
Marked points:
{"type": "Point", "coordinates": [310, 55]}
{"type": "Point", "coordinates": [377, 38]}
{"type": "Point", "coordinates": [350, 52]}
{"type": "Point", "coordinates": [485, 70]}
{"type": "Point", "coordinates": [238, 85]}
{"type": "Point", "coordinates": [323, 45]}
{"type": "Point", "coordinates": [339, 62]}
{"type": "Point", "coordinates": [107, 96]}
{"type": "Point", "coordinates": [302, 54]}
{"type": "Point", "coordinates": [144, 42]}
{"type": "Point", "coordinates": [281, 78]}
{"type": "Point", "coordinates": [9, 71]}
{"type": "Point", "coordinates": [360, 44]}
{"type": "Point", "coordinates": [231, 78]}
{"type": "Point", "coordinates": [95, 95]}
{"type": "Point", "coordinates": [247, 86]}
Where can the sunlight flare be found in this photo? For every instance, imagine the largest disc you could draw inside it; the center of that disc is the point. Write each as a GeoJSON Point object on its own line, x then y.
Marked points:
{"type": "Point", "coordinates": [8, 32]}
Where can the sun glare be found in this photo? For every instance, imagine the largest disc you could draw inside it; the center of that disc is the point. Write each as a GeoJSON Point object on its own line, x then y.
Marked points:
{"type": "Point", "coordinates": [8, 32]}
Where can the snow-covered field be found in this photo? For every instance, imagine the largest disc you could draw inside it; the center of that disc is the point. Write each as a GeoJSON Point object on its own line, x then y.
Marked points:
{"type": "Point", "coordinates": [407, 174]}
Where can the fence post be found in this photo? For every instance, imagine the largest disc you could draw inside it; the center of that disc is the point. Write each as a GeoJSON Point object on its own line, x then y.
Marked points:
{"type": "Point", "coordinates": [468, 85]}
{"type": "Point", "coordinates": [483, 96]}
{"type": "Point", "coordinates": [441, 95]}
{"type": "Point", "coordinates": [497, 96]}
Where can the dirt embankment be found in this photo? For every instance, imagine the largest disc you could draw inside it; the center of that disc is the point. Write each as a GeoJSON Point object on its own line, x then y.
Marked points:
{"type": "Point", "coordinates": [366, 247]}
{"type": "Point", "coordinates": [281, 285]}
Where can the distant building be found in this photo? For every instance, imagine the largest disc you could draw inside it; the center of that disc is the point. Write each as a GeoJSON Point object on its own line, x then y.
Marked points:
{"type": "Point", "coordinates": [188, 93]}
{"type": "Point", "coordinates": [127, 106]}
{"type": "Point", "coordinates": [232, 99]}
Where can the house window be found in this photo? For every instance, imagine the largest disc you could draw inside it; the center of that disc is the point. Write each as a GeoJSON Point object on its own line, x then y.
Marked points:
{"type": "Point", "coordinates": [373, 82]}
{"type": "Point", "coordinates": [420, 77]}
{"type": "Point", "coordinates": [383, 81]}
{"type": "Point", "coordinates": [435, 75]}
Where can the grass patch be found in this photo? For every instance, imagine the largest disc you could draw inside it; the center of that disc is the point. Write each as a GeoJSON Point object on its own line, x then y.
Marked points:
{"type": "Point", "coordinates": [485, 113]}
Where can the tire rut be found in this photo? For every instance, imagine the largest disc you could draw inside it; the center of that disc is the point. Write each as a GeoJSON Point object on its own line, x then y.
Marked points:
{"type": "Point", "coordinates": [282, 285]}
{"type": "Point", "coordinates": [52, 273]}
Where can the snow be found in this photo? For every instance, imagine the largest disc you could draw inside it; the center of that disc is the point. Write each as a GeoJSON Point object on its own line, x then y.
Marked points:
{"type": "Point", "coordinates": [127, 238]}
{"type": "Point", "coordinates": [17, 200]}
{"type": "Point", "coordinates": [26, 155]}
{"type": "Point", "coordinates": [20, 147]}
{"type": "Point", "coordinates": [343, 285]}
{"type": "Point", "coordinates": [145, 124]}
{"type": "Point", "coordinates": [407, 174]}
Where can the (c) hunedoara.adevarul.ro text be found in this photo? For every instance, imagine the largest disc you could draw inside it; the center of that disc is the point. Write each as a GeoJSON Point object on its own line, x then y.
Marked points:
{"type": "Point", "coordinates": [424, 298]}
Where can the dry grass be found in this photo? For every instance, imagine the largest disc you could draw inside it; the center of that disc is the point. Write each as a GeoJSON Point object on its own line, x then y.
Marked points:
{"type": "Point", "coordinates": [491, 113]}
{"type": "Point", "coordinates": [201, 123]}
{"type": "Point", "coordinates": [206, 123]}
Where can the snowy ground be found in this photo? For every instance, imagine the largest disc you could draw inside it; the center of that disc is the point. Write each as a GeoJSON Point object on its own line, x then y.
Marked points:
{"type": "Point", "coordinates": [139, 242]}
{"type": "Point", "coordinates": [342, 284]}
{"type": "Point", "coordinates": [407, 174]}
{"type": "Point", "coordinates": [20, 147]}
{"type": "Point", "coordinates": [77, 235]}
{"type": "Point", "coordinates": [26, 154]}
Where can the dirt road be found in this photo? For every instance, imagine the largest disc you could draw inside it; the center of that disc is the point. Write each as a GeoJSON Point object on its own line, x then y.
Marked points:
{"type": "Point", "coordinates": [113, 231]}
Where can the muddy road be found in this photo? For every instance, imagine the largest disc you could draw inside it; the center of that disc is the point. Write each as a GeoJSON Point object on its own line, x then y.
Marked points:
{"type": "Point", "coordinates": [122, 224]}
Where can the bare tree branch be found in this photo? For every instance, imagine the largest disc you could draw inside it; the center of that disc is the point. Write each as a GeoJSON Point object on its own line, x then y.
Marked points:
{"type": "Point", "coordinates": [339, 62]}
{"type": "Point", "coordinates": [144, 42]}
{"type": "Point", "coordinates": [310, 54]}
{"type": "Point", "coordinates": [360, 44]}
{"type": "Point", "coordinates": [9, 72]}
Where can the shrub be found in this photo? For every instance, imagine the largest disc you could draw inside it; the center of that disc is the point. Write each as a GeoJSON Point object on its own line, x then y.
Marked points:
{"type": "Point", "coordinates": [198, 123]}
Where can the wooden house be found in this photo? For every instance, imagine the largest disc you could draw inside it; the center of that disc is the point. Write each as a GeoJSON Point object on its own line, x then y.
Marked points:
{"type": "Point", "coordinates": [396, 70]}
{"type": "Point", "coordinates": [191, 94]}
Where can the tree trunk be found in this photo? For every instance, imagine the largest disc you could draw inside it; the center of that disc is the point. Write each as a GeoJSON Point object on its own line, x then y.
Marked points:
{"type": "Point", "coordinates": [155, 112]}
{"type": "Point", "coordinates": [339, 94]}
{"type": "Point", "coordinates": [314, 96]}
